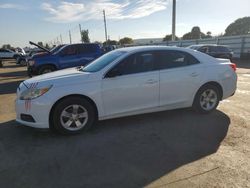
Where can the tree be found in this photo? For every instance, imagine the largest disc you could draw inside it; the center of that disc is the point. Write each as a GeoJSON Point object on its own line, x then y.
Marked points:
{"type": "Point", "coordinates": [47, 46]}
{"type": "Point", "coordinates": [126, 40]}
{"type": "Point", "coordinates": [194, 34]}
{"type": "Point", "coordinates": [110, 42]}
{"type": "Point", "coordinates": [40, 44]}
{"type": "Point", "coordinates": [7, 46]}
{"type": "Point", "coordinates": [169, 38]}
{"type": "Point", "coordinates": [85, 36]}
{"type": "Point", "coordinates": [239, 27]}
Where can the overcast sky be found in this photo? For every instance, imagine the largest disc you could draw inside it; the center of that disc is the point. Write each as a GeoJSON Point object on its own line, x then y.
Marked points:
{"type": "Point", "coordinates": [45, 21]}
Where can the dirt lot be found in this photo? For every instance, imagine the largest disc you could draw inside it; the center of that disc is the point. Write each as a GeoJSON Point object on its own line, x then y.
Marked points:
{"type": "Point", "coordinates": [169, 149]}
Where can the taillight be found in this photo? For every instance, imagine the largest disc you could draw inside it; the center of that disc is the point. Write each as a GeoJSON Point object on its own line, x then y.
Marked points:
{"type": "Point", "coordinates": [233, 65]}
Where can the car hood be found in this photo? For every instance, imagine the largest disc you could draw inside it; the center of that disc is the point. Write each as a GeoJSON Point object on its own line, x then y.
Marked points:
{"type": "Point", "coordinates": [59, 78]}
{"type": "Point", "coordinates": [41, 54]}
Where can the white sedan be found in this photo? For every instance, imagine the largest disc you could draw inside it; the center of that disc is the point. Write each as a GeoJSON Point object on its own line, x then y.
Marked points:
{"type": "Point", "coordinates": [125, 82]}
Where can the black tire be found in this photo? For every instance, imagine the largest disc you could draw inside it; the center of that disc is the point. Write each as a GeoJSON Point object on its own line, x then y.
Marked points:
{"type": "Point", "coordinates": [56, 116]}
{"type": "Point", "coordinates": [199, 98]}
{"type": "Point", "coordinates": [22, 62]}
{"type": "Point", "coordinates": [46, 69]}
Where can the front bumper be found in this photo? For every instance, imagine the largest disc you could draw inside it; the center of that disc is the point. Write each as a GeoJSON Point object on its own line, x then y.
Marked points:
{"type": "Point", "coordinates": [31, 70]}
{"type": "Point", "coordinates": [38, 109]}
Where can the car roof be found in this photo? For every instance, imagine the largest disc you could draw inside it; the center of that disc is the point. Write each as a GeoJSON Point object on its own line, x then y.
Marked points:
{"type": "Point", "coordinates": [148, 48]}
{"type": "Point", "coordinates": [200, 45]}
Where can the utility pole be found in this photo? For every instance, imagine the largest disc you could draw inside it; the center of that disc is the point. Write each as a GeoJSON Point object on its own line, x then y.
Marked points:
{"type": "Point", "coordinates": [105, 25]}
{"type": "Point", "coordinates": [61, 38]}
{"type": "Point", "coordinates": [173, 20]}
{"type": "Point", "coordinates": [70, 40]}
{"type": "Point", "coordinates": [80, 32]}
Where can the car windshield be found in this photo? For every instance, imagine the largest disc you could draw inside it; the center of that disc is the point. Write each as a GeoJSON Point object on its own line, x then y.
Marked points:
{"type": "Point", "coordinates": [102, 61]}
{"type": "Point", "coordinates": [56, 48]}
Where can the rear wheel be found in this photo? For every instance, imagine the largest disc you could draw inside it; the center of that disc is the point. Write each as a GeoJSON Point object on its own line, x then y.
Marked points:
{"type": "Point", "coordinates": [46, 69]}
{"type": "Point", "coordinates": [206, 99]}
{"type": "Point", "coordinates": [73, 115]}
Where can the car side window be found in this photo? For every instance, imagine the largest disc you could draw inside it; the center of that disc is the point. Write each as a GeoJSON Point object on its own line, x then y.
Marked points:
{"type": "Point", "coordinates": [223, 49]}
{"type": "Point", "coordinates": [4, 51]}
{"type": "Point", "coordinates": [85, 49]}
{"type": "Point", "coordinates": [69, 50]}
{"type": "Point", "coordinates": [136, 63]}
{"type": "Point", "coordinates": [175, 59]}
{"type": "Point", "coordinates": [213, 49]}
{"type": "Point", "coordinates": [204, 49]}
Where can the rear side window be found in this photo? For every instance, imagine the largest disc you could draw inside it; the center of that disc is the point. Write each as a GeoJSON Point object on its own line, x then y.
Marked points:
{"type": "Point", "coordinates": [223, 49]}
{"type": "Point", "coordinates": [137, 63]}
{"type": "Point", "coordinates": [87, 48]}
{"type": "Point", "coordinates": [175, 59]}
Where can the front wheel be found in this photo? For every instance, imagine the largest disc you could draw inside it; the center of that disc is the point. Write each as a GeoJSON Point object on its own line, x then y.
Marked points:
{"type": "Point", "coordinates": [206, 99]}
{"type": "Point", "coordinates": [46, 69]}
{"type": "Point", "coordinates": [23, 62]}
{"type": "Point", "coordinates": [73, 115]}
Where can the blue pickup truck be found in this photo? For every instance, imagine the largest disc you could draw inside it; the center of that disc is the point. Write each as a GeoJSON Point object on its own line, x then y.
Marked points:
{"type": "Point", "coordinates": [67, 56]}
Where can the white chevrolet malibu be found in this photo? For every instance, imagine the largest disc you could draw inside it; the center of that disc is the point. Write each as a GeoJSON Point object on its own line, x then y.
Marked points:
{"type": "Point", "coordinates": [125, 82]}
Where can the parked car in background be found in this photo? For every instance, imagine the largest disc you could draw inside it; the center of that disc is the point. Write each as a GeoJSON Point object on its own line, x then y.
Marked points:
{"type": "Point", "coordinates": [20, 51]}
{"type": "Point", "coordinates": [25, 58]}
{"type": "Point", "coordinates": [8, 54]}
{"type": "Point", "coordinates": [217, 51]}
{"type": "Point", "coordinates": [71, 55]}
{"type": "Point", "coordinates": [125, 82]}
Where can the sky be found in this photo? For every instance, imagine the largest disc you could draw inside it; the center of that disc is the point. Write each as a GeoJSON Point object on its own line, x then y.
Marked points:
{"type": "Point", "coordinates": [44, 20]}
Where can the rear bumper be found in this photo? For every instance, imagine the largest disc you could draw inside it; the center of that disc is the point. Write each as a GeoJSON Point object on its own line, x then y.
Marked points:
{"type": "Point", "coordinates": [229, 86]}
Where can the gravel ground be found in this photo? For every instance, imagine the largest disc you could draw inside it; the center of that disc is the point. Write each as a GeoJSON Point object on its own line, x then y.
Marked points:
{"type": "Point", "coordinates": [168, 149]}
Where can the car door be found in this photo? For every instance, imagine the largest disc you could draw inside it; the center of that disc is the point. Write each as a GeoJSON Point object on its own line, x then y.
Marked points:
{"type": "Point", "coordinates": [131, 85]}
{"type": "Point", "coordinates": [68, 57]}
{"type": "Point", "coordinates": [180, 75]}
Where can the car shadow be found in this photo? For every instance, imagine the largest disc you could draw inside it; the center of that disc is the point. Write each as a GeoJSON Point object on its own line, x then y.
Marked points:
{"type": "Point", "coordinates": [124, 152]}
{"type": "Point", "coordinates": [9, 87]}
{"type": "Point", "coordinates": [14, 74]}
{"type": "Point", "coordinates": [245, 64]}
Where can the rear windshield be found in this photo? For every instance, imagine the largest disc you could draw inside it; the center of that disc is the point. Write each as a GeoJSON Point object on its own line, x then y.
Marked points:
{"type": "Point", "coordinates": [194, 47]}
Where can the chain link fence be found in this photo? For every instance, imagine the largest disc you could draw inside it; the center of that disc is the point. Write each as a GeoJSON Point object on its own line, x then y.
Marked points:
{"type": "Point", "coordinates": [239, 44]}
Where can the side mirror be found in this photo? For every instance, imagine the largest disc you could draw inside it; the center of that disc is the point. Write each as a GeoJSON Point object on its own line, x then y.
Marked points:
{"type": "Point", "coordinates": [113, 73]}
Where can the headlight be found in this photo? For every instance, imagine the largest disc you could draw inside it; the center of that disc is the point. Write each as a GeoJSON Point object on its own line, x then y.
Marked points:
{"type": "Point", "coordinates": [31, 62]}
{"type": "Point", "coordinates": [34, 93]}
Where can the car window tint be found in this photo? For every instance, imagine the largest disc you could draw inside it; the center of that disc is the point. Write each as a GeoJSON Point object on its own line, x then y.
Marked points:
{"type": "Point", "coordinates": [3, 50]}
{"type": "Point", "coordinates": [69, 50]}
{"type": "Point", "coordinates": [223, 49]}
{"type": "Point", "coordinates": [203, 49]}
{"type": "Point", "coordinates": [137, 63]}
{"type": "Point", "coordinates": [174, 59]}
{"type": "Point", "coordinates": [86, 48]}
{"type": "Point", "coordinates": [213, 49]}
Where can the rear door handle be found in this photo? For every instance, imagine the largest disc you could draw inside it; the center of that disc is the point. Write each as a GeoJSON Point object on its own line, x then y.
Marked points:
{"type": "Point", "coordinates": [194, 74]}
{"type": "Point", "coordinates": [151, 81]}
